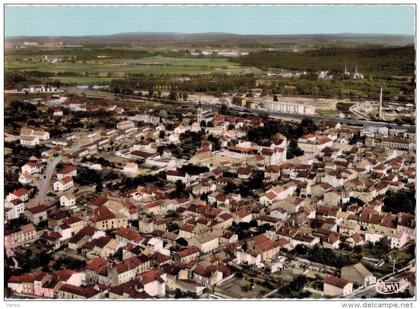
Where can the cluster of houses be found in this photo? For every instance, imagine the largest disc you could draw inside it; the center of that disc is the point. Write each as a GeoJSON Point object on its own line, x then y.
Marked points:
{"type": "Point", "coordinates": [147, 242]}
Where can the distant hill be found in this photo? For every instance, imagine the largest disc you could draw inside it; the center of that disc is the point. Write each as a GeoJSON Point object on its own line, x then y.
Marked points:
{"type": "Point", "coordinates": [191, 38]}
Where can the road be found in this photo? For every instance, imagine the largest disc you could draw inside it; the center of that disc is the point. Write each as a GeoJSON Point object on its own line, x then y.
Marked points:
{"type": "Point", "coordinates": [46, 180]}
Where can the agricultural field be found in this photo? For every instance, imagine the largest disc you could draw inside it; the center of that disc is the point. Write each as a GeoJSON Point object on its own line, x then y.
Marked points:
{"type": "Point", "coordinates": [105, 70]}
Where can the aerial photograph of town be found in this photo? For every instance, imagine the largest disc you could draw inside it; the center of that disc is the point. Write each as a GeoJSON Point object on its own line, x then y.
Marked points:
{"type": "Point", "coordinates": [223, 152]}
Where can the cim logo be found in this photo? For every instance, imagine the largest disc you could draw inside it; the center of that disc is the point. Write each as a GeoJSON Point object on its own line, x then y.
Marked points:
{"type": "Point", "coordinates": [390, 287]}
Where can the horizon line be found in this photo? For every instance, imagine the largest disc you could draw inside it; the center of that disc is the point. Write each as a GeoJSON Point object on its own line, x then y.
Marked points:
{"type": "Point", "coordinates": [210, 32]}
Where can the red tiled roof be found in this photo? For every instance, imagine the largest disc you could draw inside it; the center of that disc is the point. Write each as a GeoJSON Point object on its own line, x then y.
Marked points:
{"type": "Point", "coordinates": [99, 201]}
{"type": "Point", "coordinates": [150, 276]}
{"type": "Point", "coordinates": [37, 209]}
{"type": "Point", "coordinates": [67, 169]}
{"type": "Point", "coordinates": [29, 278]}
{"type": "Point", "coordinates": [129, 234]}
{"type": "Point", "coordinates": [102, 213]}
{"type": "Point", "coordinates": [97, 264]}
{"type": "Point", "coordinates": [65, 274]}
{"type": "Point", "coordinates": [128, 264]}
{"type": "Point", "coordinates": [20, 192]}
{"type": "Point", "coordinates": [338, 282]}
{"type": "Point", "coordinates": [85, 291]}
{"type": "Point", "coordinates": [188, 251]}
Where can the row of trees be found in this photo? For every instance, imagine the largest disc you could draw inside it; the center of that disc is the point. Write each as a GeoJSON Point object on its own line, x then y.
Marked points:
{"type": "Point", "coordinates": [378, 61]}
{"type": "Point", "coordinates": [21, 79]}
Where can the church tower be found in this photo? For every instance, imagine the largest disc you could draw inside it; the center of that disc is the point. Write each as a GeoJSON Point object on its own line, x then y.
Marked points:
{"type": "Point", "coordinates": [199, 113]}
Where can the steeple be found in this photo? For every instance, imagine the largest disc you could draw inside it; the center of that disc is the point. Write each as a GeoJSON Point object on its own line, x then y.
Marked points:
{"type": "Point", "coordinates": [199, 112]}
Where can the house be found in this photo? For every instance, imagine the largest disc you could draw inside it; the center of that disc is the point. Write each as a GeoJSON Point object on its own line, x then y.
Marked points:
{"type": "Point", "coordinates": [332, 198]}
{"type": "Point", "coordinates": [207, 276]}
{"type": "Point", "coordinates": [58, 112]}
{"type": "Point", "coordinates": [31, 168]}
{"type": "Point", "coordinates": [242, 215]}
{"type": "Point", "coordinates": [258, 250]}
{"type": "Point", "coordinates": [348, 227]}
{"type": "Point", "coordinates": [205, 242]}
{"type": "Point", "coordinates": [358, 274]}
{"type": "Point", "coordinates": [337, 287]}
{"type": "Point", "coordinates": [127, 270]}
{"type": "Point", "coordinates": [95, 268]}
{"type": "Point", "coordinates": [126, 124]}
{"type": "Point", "coordinates": [277, 193]}
{"type": "Point", "coordinates": [21, 194]}
{"type": "Point", "coordinates": [24, 284]}
{"type": "Point", "coordinates": [49, 288]}
{"type": "Point", "coordinates": [69, 291]}
{"type": "Point", "coordinates": [126, 235]}
{"type": "Point", "coordinates": [67, 200]}
{"type": "Point", "coordinates": [25, 178]}
{"type": "Point", "coordinates": [29, 141]}
{"type": "Point", "coordinates": [25, 234]}
{"type": "Point", "coordinates": [103, 246]}
{"type": "Point", "coordinates": [26, 132]}
{"type": "Point", "coordinates": [129, 290]}
{"type": "Point", "coordinates": [37, 214]}
{"type": "Point", "coordinates": [70, 170]}
{"type": "Point", "coordinates": [14, 209]}
{"type": "Point", "coordinates": [154, 283]}
{"type": "Point", "coordinates": [131, 168]}
{"type": "Point", "coordinates": [355, 240]}
{"type": "Point", "coordinates": [53, 239]}
{"type": "Point", "coordinates": [204, 187]}
{"type": "Point", "coordinates": [104, 219]}
{"type": "Point", "coordinates": [84, 235]}
{"type": "Point", "coordinates": [274, 156]}
{"type": "Point", "coordinates": [70, 226]}
{"type": "Point", "coordinates": [63, 184]}
{"type": "Point", "coordinates": [187, 255]}
{"type": "Point", "coordinates": [397, 238]}
{"type": "Point", "coordinates": [175, 175]}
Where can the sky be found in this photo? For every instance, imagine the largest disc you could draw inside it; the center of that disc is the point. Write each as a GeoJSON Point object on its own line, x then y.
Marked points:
{"type": "Point", "coordinates": [304, 19]}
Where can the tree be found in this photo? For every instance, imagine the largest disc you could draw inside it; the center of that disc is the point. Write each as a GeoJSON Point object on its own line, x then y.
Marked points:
{"type": "Point", "coordinates": [402, 201]}
{"type": "Point", "coordinates": [185, 96]}
{"type": "Point", "coordinates": [173, 96]}
{"type": "Point", "coordinates": [99, 187]}
{"type": "Point", "coordinates": [301, 249]}
{"type": "Point", "coordinates": [307, 126]}
{"type": "Point", "coordinates": [230, 188]}
{"type": "Point", "coordinates": [293, 150]}
{"type": "Point", "coordinates": [172, 227]}
{"type": "Point", "coordinates": [223, 109]}
{"type": "Point", "coordinates": [178, 294]}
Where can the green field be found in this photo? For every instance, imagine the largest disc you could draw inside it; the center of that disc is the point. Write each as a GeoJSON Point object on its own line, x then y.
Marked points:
{"type": "Point", "coordinates": [82, 80]}
{"type": "Point", "coordinates": [104, 72]}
